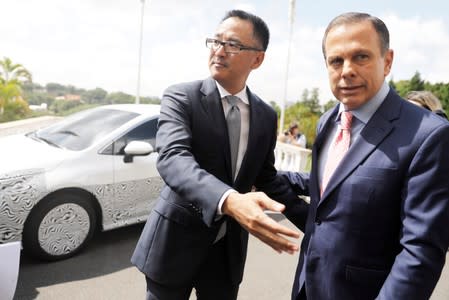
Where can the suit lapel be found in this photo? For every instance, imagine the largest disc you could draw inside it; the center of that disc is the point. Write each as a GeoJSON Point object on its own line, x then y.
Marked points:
{"type": "Point", "coordinates": [324, 127]}
{"type": "Point", "coordinates": [322, 132]}
{"type": "Point", "coordinates": [211, 103]}
{"type": "Point", "coordinates": [375, 131]}
{"type": "Point", "coordinates": [256, 118]}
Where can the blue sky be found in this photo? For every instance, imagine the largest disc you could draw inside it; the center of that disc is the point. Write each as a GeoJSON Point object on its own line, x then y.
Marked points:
{"type": "Point", "coordinates": [94, 43]}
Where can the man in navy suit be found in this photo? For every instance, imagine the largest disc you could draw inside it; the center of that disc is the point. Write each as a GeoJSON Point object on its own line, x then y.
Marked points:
{"type": "Point", "coordinates": [194, 238]}
{"type": "Point", "coordinates": [379, 229]}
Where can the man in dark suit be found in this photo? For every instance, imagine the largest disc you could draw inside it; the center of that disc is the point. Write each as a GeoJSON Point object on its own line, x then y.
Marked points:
{"type": "Point", "coordinates": [192, 238]}
{"type": "Point", "coordinates": [378, 226]}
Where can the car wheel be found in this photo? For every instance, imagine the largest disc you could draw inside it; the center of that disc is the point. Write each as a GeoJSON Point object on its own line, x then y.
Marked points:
{"type": "Point", "coordinates": [59, 227]}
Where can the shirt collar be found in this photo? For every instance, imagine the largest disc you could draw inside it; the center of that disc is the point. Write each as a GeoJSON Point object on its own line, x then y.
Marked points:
{"type": "Point", "coordinates": [367, 110]}
{"type": "Point", "coordinates": [242, 94]}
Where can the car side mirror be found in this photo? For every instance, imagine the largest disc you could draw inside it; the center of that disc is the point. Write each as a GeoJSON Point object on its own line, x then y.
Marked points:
{"type": "Point", "coordinates": [136, 148]}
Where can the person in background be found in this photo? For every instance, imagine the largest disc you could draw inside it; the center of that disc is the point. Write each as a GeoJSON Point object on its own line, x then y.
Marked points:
{"type": "Point", "coordinates": [293, 136]}
{"type": "Point", "coordinates": [215, 141]}
{"type": "Point", "coordinates": [426, 100]}
{"type": "Point", "coordinates": [378, 220]}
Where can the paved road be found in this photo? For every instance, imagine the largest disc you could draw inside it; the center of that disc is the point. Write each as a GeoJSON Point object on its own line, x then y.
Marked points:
{"type": "Point", "coordinates": [26, 125]}
{"type": "Point", "coordinates": [103, 271]}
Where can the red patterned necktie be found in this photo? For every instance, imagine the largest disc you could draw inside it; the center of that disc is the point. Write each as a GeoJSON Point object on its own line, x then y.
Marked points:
{"type": "Point", "coordinates": [338, 149]}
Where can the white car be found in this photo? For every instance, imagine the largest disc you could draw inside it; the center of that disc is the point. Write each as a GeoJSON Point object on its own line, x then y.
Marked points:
{"type": "Point", "coordinates": [94, 169]}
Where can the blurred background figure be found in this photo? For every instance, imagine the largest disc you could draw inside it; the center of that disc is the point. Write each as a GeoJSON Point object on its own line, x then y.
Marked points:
{"type": "Point", "coordinates": [426, 100]}
{"type": "Point", "coordinates": [293, 136]}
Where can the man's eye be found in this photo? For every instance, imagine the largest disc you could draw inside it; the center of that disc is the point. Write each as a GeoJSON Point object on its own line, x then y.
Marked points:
{"type": "Point", "coordinates": [234, 45]}
{"type": "Point", "coordinates": [361, 57]}
{"type": "Point", "coordinates": [335, 61]}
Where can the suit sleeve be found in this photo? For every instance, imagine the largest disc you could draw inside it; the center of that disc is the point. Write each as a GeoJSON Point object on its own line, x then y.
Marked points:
{"type": "Point", "coordinates": [299, 181]}
{"type": "Point", "coordinates": [424, 234]}
{"type": "Point", "coordinates": [176, 163]}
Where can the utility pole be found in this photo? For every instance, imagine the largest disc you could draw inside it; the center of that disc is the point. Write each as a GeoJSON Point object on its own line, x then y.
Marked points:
{"type": "Point", "coordinates": [140, 52]}
{"type": "Point", "coordinates": [291, 17]}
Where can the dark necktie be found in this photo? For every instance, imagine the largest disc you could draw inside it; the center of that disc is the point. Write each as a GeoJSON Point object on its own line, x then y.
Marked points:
{"type": "Point", "coordinates": [233, 120]}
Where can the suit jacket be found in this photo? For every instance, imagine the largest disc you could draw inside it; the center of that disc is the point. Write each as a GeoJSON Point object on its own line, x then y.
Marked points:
{"type": "Point", "coordinates": [381, 228]}
{"type": "Point", "coordinates": [195, 163]}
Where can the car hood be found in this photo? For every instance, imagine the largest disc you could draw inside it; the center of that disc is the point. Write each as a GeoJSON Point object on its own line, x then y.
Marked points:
{"type": "Point", "coordinates": [20, 153]}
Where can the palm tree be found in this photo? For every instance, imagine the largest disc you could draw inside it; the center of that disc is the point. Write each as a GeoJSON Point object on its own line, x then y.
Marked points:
{"type": "Point", "coordinates": [10, 72]}
{"type": "Point", "coordinates": [11, 78]}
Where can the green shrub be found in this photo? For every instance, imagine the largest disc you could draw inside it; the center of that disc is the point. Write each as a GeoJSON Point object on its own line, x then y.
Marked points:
{"type": "Point", "coordinates": [15, 110]}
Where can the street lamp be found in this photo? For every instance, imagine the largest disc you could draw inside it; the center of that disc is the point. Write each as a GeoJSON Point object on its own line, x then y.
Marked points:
{"type": "Point", "coordinates": [291, 17]}
{"type": "Point", "coordinates": [140, 52]}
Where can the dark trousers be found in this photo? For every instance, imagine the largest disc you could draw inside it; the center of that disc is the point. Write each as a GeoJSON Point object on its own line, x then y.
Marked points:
{"type": "Point", "coordinates": [212, 281]}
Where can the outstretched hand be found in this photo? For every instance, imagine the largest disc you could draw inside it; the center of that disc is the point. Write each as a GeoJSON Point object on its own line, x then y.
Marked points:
{"type": "Point", "coordinates": [248, 210]}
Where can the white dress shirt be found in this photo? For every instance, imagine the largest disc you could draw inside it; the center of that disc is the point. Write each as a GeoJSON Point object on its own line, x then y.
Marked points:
{"type": "Point", "coordinates": [243, 105]}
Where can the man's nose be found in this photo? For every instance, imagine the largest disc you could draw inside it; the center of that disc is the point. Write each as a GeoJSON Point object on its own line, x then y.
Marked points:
{"type": "Point", "coordinates": [220, 50]}
{"type": "Point", "coordinates": [348, 69]}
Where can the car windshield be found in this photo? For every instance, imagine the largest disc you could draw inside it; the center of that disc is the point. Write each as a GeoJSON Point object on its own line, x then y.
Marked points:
{"type": "Point", "coordinates": [83, 129]}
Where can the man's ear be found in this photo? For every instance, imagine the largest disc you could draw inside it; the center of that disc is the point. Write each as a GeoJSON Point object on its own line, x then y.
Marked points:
{"type": "Point", "coordinates": [388, 59]}
{"type": "Point", "coordinates": [258, 59]}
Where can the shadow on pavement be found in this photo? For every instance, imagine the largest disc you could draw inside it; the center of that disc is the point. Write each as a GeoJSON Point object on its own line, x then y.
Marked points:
{"type": "Point", "coordinates": [106, 253]}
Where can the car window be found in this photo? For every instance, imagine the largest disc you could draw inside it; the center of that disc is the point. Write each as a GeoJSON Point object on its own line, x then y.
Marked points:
{"type": "Point", "coordinates": [83, 129]}
{"type": "Point", "coordinates": [144, 132]}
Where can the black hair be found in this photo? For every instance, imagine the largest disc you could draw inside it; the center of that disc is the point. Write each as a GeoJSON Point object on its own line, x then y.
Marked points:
{"type": "Point", "coordinates": [260, 29]}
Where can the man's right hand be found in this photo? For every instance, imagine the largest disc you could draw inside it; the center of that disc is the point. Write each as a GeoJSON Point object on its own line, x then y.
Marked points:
{"type": "Point", "coordinates": [248, 210]}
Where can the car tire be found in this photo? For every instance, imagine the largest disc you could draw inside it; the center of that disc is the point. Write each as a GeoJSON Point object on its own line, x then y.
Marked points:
{"type": "Point", "coordinates": [59, 226]}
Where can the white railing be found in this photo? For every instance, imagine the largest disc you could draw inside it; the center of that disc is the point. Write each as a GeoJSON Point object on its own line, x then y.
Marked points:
{"type": "Point", "coordinates": [290, 157]}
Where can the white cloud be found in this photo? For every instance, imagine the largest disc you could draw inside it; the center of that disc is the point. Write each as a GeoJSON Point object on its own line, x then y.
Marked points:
{"type": "Point", "coordinates": [419, 45]}
{"type": "Point", "coordinates": [306, 68]}
{"type": "Point", "coordinates": [95, 43]}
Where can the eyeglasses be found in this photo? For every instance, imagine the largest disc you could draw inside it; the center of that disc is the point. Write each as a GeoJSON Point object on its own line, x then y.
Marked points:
{"type": "Point", "coordinates": [229, 46]}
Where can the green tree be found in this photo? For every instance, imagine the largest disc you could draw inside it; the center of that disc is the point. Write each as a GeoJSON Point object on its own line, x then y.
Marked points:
{"type": "Point", "coordinates": [10, 72]}
{"type": "Point", "coordinates": [98, 95]}
{"type": "Point", "coordinates": [402, 87]}
{"type": "Point", "coordinates": [305, 117]}
{"type": "Point", "coordinates": [329, 104]}
{"type": "Point", "coordinates": [305, 113]}
{"type": "Point", "coordinates": [29, 87]}
{"type": "Point", "coordinates": [15, 110]}
{"type": "Point", "coordinates": [312, 100]}
{"type": "Point", "coordinates": [36, 94]}
{"type": "Point", "coordinates": [70, 89]}
{"type": "Point", "coordinates": [441, 91]}
{"type": "Point", "coordinates": [56, 89]}
{"type": "Point", "coordinates": [59, 106]}
{"type": "Point", "coordinates": [392, 84]}
{"type": "Point", "coordinates": [8, 92]}
{"type": "Point", "coordinates": [39, 98]}
{"type": "Point", "coordinates": [416, 83]}
{"type": "Point", "coordinates": [119, 97]}
{"type": "Point", "coordinates": [11, 78]}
